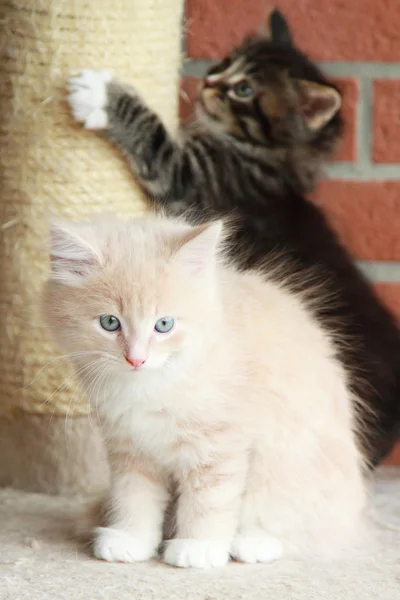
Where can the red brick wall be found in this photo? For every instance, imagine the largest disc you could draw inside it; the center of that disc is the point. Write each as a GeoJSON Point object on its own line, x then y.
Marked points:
{"type": "Point", "coordinates": [357, 43]}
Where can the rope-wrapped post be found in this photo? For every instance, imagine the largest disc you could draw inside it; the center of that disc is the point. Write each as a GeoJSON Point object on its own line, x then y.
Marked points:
{"type": "Point", "coordinates": [52, 167]}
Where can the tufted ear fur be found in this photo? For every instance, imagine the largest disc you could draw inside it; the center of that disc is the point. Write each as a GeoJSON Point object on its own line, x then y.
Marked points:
{"type": "Point", "coordinates": [199, 248]}
{"type": "Point", "coordinates": [316, 103]}
{"type": "Point", "coordinates": [277, 29]}
{"type": "Point", "coordinates": [73, 253]}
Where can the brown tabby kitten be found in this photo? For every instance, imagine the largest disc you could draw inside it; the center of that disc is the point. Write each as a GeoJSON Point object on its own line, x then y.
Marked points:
{"type": "Point", "coordinates": [267, 120]}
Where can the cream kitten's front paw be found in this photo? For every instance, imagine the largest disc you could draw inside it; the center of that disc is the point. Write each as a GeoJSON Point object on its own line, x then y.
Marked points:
{"type": "Point", "coordinates": [253, 549]}
{"type": "Point", "coordinates": [88, 98]}
{"type": "Point", "coordinates": [196, 553]}
{"type": "Point", "coordinates": [113, 545]}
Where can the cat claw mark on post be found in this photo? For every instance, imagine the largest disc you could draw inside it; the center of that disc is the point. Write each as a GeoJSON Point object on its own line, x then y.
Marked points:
{"type": "Point", "coordinates": [88, 98]}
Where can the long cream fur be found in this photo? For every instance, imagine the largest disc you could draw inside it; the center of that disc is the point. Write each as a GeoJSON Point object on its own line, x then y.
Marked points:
{"type": "Point", "coordinates": [243, 406]}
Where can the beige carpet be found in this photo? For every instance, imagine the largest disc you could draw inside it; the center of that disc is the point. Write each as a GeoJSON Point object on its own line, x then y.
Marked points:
{"type": "Point", "coordinates": [39, 561]}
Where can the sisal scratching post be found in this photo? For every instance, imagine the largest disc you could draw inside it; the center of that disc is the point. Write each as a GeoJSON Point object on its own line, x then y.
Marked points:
{"type": "Point", "coordinates": [52, 167]}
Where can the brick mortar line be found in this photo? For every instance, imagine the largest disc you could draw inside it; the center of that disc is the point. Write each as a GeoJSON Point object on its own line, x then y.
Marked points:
{"type": "Point", "coordinates": [380, 271]}
{"type": "Point", "coordinates": [363, 171]}
{"type": "Point", "coordinates": [364, 122]}
{"type": "Point", "coordinates": [196, 67]}
{"type": "Point", "coordinates": [367, 70]}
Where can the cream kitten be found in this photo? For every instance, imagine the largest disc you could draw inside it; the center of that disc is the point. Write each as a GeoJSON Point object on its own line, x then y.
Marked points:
{"type": "Point", "coordinates": [216, 381]}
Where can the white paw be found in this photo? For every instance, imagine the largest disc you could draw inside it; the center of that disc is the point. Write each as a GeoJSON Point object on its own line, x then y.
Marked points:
{"type": "Point", "coordinates": [253, 549]}
{"type": "Point", "coordinates": [196, 553]}
{"type": "Point", "coordinates": [88, 98]}
{"type": "Point", "coordinates": [118, 546]}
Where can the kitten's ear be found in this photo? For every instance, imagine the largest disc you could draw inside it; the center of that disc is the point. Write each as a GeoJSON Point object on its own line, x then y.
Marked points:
{"type": "Point", "coordinates": [277, 29]}
{"type": "Point", "coordinates": [73, 253]}
{"type": "Point", "coordinates": [199, 247]}
{"type": "Point", "coordinates": [316, 103]}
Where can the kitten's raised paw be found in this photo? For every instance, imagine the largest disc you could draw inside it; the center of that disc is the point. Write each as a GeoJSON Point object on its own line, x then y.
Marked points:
{"type": "Point", "coordinates": [113, 545]}
{"type": "Point", "coordinates": [253, 549]}
{"type": "Point", "coordinates": [88, 98]}
{"type": "Point", "coordinates": [196, 553]}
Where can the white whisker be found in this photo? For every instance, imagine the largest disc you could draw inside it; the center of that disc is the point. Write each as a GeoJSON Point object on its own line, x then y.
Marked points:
{"type": "Point", "coordinates": [57, 358]}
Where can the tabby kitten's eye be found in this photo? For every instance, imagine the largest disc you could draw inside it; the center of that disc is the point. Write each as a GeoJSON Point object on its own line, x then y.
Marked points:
{"type": "Point", "coordinates": [243, 89]}
{"type": "Point", "coordinates": [164, 325]}
{"type": "Point", "coordinates": [110, 323]}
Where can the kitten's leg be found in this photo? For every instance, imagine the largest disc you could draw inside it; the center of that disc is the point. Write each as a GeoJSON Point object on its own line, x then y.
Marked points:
{"type": "Point", "coordinates": [135, 511]}
{"type": "Point", "coordinates": [207, 514]}
{"type": "Point", "coordinates": [155, 158]}
{"type": "Point", "coordinates": [252, 542]}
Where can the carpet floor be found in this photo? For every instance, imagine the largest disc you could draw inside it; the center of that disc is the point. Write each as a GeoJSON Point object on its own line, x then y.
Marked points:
{"type": "Point", "coordinates": [39, 560]}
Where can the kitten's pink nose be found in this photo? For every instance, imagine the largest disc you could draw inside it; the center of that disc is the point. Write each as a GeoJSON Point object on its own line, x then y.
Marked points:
{"type": "Point", "coordinates": [135, 362]}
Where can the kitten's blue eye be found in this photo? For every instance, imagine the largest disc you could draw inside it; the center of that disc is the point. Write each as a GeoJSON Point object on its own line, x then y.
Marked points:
{"type": "Point", "coordinates": [110, 323]}
{"type": "Point", "coordinates": [164, 325]}
{"type": "Point", "coordinates": [243, 89]}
